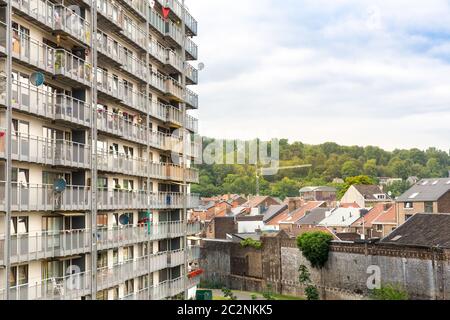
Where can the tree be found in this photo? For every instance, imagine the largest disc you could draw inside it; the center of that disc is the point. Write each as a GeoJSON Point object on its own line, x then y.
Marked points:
{"type": "Point", "coordinates": [351, 168]}
{"type": "Point", "coordinates": [397, 188]}
{"type": "Point", "coordinates": [304, 278]}
{"type": "Point", "coordinates": [285, 188]}
{"type": "Point", "coordinates": [315, 247]}
{"type": "Point", "coordinates": [389, 292]}
{"type": "Point", "coordinates": [370, 168]}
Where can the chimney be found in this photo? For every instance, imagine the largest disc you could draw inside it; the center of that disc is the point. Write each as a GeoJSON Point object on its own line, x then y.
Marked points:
{"type": "Point", "coordinates": [293, 203]}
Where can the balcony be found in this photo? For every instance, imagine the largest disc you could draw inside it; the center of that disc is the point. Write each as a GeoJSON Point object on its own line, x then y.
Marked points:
{"type": "Point", "coordinates": [133, 66]}
{"type": "Point", "coordinates": [133, 99]}
{"type": "Point", "coordinates": [69, 287]}
{"type": "Point", "coordinates": [190, 23]}
{"type": "Point", "coordinates": [108, 50]}
{"type": "Point", "coordinates": [174, 61]}
{"type": "Point", "coordinates": [110, 15]}
{"type": "Point", "coordinates": [158, 140]}
{"type": "Point", "coordinates": [173, 33]}
{"type": "Point", "coordinates": [174, 5]}
{"type": "Point", "coordinates": [138, 7]}
{"type": "Point", "coordinates": [191, 75]}
{"type": "Point", "coordinates": [156, 21]}
{"type": "Point", "coordinates": [32, 52]}
{"type": "Point", "coordinates": [157, 81]}
{"type": "Point", "coordinates": [172, 200]}
{"type": "Point", "coordinates": [175, 258]}
{"type": "Point", "coordinates": [133, 34]}
{"type": "Point", "coordinates": [191, 99]}
{"type": "Point", "coordinates": [2, 41]}
{"type": "Point", "coordinates": [46, 244]}
{"type": "Point", "coordinates": [55, 152]}
{"type": "Point", "coordinates": [174, 89]}
{"type": "Point", "coordinates": [109, 85]}
{"type": "Point", "coordinates": [191, 49]}
{"type": "Point", "coordinates": [121, 163]}
{"type": "Point", "coordinates": [71, 24]}
{"type": "Point", "coordinates": [40, 197]}
{"type": "Point", "coordinates": [70, 67]}
{"type": "Point", "coordinates": [121, 199]}
{"type": "Point", "coordinates": [41, 12]}
{"type": "Point", "coordinates": [108, 277]}
{"type": "Point", "coordinates": [191, 124]}
{"type": "Point", "coordinates": [174, 116]}
{"type": "Point", "coordinates": [36, 101]}
{"type": "Point", "coordinates": [193, 253]}
{"type": "Point", "coordinates": [118, 125]}
{"type": "Point", "coordinates": [157, 51]}
{"type": "Point", "coordinates": [158, 110]}
{"type": "Point", "coordinates": [72, 110]}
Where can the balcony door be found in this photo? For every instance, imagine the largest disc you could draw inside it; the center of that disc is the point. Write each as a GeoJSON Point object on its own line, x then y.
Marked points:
{"type": "Point", "coordinates": [18, 282]}
{"type": "Point", "coordinates": [20, 188]}
{"type": "Point", "coordinates": [21, 139]}
{"type": "Point", "coordinates": [19, 236]}
{"type": "Point", "coordinates": [52, 227]}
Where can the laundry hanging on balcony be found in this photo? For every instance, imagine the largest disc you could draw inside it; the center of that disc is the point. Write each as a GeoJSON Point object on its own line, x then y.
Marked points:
{"type": "Point", "coordinates": [165, 12]}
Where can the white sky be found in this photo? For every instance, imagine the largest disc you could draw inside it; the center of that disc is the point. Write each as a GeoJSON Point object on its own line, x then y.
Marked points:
{"type": "Point", "coordinates": [348, 71]}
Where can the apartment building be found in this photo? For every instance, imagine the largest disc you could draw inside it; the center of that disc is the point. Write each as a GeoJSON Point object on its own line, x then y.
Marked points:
{"type": "Point", "coordinates": [95, 162]}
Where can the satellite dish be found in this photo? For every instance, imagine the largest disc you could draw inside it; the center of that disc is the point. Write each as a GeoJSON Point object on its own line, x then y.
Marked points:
{"type": "Point", "coordinates": [124, 220]}
{"type": "Point", "coordinates": [201, 66]}
{"type": "Point", "coordinates": [37, 79]}
{"type": "Point", "coordinates": [59, 185]}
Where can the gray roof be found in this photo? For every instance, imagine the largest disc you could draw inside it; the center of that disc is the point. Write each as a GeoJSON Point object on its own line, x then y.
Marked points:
{"type": "Point", "coordinates": [423, 230]}
{"type": "Point", "coordinates": [244, 236]}
{"type": "Point", "coordinates": [369, 191]}
{"type": "Point", "coordinates": [426, 190]}
{"type": "Point", "coordinates": [314, 217]}
{"type": "Point", "coordinates": [322, 188]}
{"type": "Point", "coordinates": [274, 210]}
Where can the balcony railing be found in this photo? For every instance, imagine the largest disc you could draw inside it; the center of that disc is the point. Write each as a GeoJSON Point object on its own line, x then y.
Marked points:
{"type": "Point", "coordinates": [111, 11]}
{"type": "Point", "coordinates": [71, 23]}
{"type": "Point", "coordinates": [72, 110]}
{"type": "Point", "coordinates": [133, 65]}
{"type": "Point", "coordinates": [172, 200]}
{"type": "Point", "coordinates": [118, 125]}
{"type": "Point", "coordinates": [134, 99]}
{"type": "Point", "coordinates": [191, 74]}
{"type": "Point", "coordinates": [138, 6]}
{"type": "Point", "coordinates": [174, 88]}
{"type": "Point", "coordinates": [191, 98]}
{"type": "Point", "coordinates": [158, 110]}
{"type": "Point", "coordinates": [158, 140]}
{"type": "Point", "coordinates": [109, 85]}
{"type": "Point", "coordinates": [174, 115]}
{"type": "Point", "coordinates": [69, 65]}
{"type": "Point", "coordinates": [175, 258]}
{"type": "Point", "coordinates": [134, 33]}
{"type": "Point", "coordinates": [40, 10]}
{"type": "Point", "coordinates": [157, 50]}
{"type": "Point", "coordinates": [46, 244]}
{"type": "Point", "coordinates": [190, 22]}
{"type": "Point", "coordinates": [69, 287]}
{"type": "Point", "coordinates": [33, 52]}
{"type": "Point", "coordinates": [191, 123]}
{"type": "Point", "coordinates": [55, 152]}
{"type": "Point", "coordinates": [193, 228]}
{"type": "Point", "coordinates": [117, 199]}
{"type": "Point", "coordinates": [193, 253]}
{"type": "Point", "coordinates": [173, 31]}
{"type": "Point", "coordinates": [191, 49]}
{"type": "Point", "coordinates": [41, 197]}
{"type": "Point", "coordinates": [157, 80]}
{"type": "Point", "coordinates": [34, 100]}
{"type": "Point", "coordinates": [108, 277]}
{"type": "Point", "coordinates": [107, 47]}
{"type": "Point", "coordinates": [121, 163]}
{"type": "Point", "coordinates": [174, 60]}
{"type": "Point", "coordinates": [156, 21]}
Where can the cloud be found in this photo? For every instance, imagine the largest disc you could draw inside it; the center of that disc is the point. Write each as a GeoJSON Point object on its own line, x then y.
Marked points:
{"type": "Point", "coordinates": [355, 72]}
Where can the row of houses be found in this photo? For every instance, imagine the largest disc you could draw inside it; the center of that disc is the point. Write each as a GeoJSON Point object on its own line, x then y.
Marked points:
{"type": "Point", "coordinates": [364, 212]}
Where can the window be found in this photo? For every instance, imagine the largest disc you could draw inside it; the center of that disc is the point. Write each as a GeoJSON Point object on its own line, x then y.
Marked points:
{"type": "Point", "coordinates": [115, 257]}
{"type": "Point", "coordinates": [18, 275]}
{"type": "Point", "coordinates": [429, 207]}
{"type": "Point", "coordinates": [102, 259]}
{"type": "Point", "coordinates": [408, 205]}
{"type": "Point", "coordinates": [129, 287]}
{"type": "Point", "coordinates": [128, 253]}
{"type": "Point", "coordinates": [19, 225]}
{"type": "Point", "coordinates": [379, 227]}
{"type": "Point", "coordinates": [102, 220]}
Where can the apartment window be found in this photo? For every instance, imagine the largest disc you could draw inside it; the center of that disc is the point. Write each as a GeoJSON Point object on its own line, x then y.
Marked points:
{"type": "Point", "coordinates": [20, 176]}
{"type": "Point", "coordinates": [102, 295]}
{"type": "Point", "coordinates": [102, 220]}
{"type": "Point", "coordinates": [114, 149]}
{"type": "Point", "coordinates": [19, 225]}
{"type": "Point", "coordinates": [379, 227]}
{"type": "Point", "coordinates": [408, 205]}
{"type": "Point", "coordinates": [115, 257]}
{"type": "Point", "coordinates": [102, 259]}
{"type": "Point", "coordinates": [129, 152]}
{"type": "Point", "coordinates": [102, 182]}
{"type": "Point", "coordinates": [143, 283]}
{"type": "Point", "coordinates": [128, 184]}
{"type": "Point", "coordinates": [128, 253]}
{"type": "Point", "coordinates": [129, 287]}
{"type": "Point", "coordinates": [18, 275]}
{"type": "Point", "coordinates": [429, 207]}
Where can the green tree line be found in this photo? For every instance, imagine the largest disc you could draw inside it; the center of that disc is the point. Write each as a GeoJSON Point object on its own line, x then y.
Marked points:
{"type": "Point", "coordinates": [329, 161]}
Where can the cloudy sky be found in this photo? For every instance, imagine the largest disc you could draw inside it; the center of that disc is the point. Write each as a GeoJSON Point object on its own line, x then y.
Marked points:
{"type": "Point", "coordinates": [355, 72]}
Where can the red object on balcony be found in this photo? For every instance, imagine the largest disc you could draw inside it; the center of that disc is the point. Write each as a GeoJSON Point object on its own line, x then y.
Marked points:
{"type": "Point", "coordinates": [2, 134]}
{"type": "Point", "coordinates": [165, 11]}
{"type": "Point", "coordinates": [195, 273]}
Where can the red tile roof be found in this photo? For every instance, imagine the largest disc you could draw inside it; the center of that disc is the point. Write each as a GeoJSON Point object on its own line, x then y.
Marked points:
{"type": "Point", "coordinates": [349, 205]}
{"type": "Point", "coordinates": [387, 217]}
{"type": "Point", "coordinates": [299, 213]}
{"type": "Point", "coordinates": [369, 217]}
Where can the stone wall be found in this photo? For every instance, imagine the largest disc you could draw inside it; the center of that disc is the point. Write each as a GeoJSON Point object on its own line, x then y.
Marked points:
{"type": "Point", "coordinates": [424, 273]}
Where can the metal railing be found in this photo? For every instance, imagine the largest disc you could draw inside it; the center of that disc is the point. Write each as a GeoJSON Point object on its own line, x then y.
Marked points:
{"type": "Point", "coordinates": [173, 31]}
{"type": "Point", "coordinates": [109, 85]}
{"type": "Point", "coordinates": [190, 22]}
{"type": "Point", "coordinates": [157, 50]}
{"type": "Point", "coordinates": [32, 51]}
{"type": "Point", "coordinates": [191, 73]}
{"type": "Point", "coordinates": [191, 48]}
{"type": "Point", "coordinates": [174, 88]}
{"type": "Point", "coordinates": [193, 253]}
{"type": "Point", "coordinates": [116, 199]}
{"type": "Point", "coordinates": [40, 10]}
{"type": "Point", "coordinates": [156, 21]}
{"type": "Point", "coordinates": [69, 65]}
{"type": "Point", "coordinates": [174, 115]}
{"type": "Point", "coordinates": [110, 11]}
{"type": "Point", "coordinates": [55, 152]}
{"type": "Point", "coordinates": [133, 65]}
{"type": "Point", "coordinates": [157, 80]}
{"type": "Point", "coordinates": [67, 20]}
{"type": "Point", "coordinates": [119, 125]}
{"type": "Point", "coordinates": [174, 60]}
{"type": "Point", "coordinates": [42, 197]}
{"type": "Point", "coordinates": [134, 33]}
{"type": "Point", "coordinates": [121, 163]}
{"type": "Point", "coordinates": [193, 228]}
{"type": "Point", "coordinates": [107, 47]}
{"type": "Point", "coordinates": [73, 110]}
{"type": "Point", "coordinates": [191, 98]}
{"type": "Point", "coordinates": [158, 140]}
{"type": "Point", "coordinates": [191, 123]}
{"type": "Point", "coordinates": [134, 99]}
{"type": "Point", "coordinates": [158, 110]}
